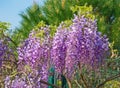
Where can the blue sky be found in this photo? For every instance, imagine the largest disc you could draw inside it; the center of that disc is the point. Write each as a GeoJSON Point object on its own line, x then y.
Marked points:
{"type": "Point", "coordinates": [10, 10]}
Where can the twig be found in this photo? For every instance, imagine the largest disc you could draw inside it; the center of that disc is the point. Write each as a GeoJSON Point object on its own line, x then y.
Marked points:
{"type": "Point", "coordinates": [69, 83]}
{"type": "Point", "coordinates": [84, 81]}
{"type": "Point", "coordinates": [77, 83]}
{"type": "Point", "coordinates": [10, 61]}
{"type": "Point", "coordinates": [108, 79]}
{"type": "Point", "coordinates": [11, 40]}
{"type": "Point", "coordinates": [82, 78]}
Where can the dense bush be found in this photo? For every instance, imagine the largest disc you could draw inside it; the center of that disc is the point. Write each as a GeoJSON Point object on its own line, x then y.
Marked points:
{"type": "Point", "coordinates": [73, 48]}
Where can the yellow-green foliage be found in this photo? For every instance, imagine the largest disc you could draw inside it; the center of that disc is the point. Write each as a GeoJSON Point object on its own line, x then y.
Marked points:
{"type": "Point", "coordinates": [52, 30]}
{"type": "Point", "coordinates": [83, 10]}
{"type": "Point", "coordinates": [59, 82]}
{"type": "Point", "coordinates": [39, 25]}
{"type": "Point", "coordinates": [67, 23]}
{"type": "Point", "coordinates": [112, 84]}
{"type": "Point", "coordinates": [3, 27]}
{"type": "Point", "coordinates": [40, 33]}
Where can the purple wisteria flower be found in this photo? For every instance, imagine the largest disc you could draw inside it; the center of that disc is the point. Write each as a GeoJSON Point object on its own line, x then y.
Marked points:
{"type": "Point", "coordinates": [58, 52]}
{"type": "Point", "coordinates": [35, 52]}
{"type": "Point", "coordinates": [81, 45]}
{"type": "Point", "coordinates": [3, 50]}
{"type": "Point", "coordinates": [18, 83]}
{"type": "Point", "coordinates": [30, 52]}
{"type": "Point", "coordinates": [22, 82]}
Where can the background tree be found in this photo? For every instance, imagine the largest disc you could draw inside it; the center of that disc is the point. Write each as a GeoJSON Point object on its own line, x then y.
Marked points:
{"type": "Point", "coordinates": [55, 11]}
{"type": "Point", "coordinates": [30, 18]}
{"type": "Point", "coordinates": [52, 12]}
{"type": "Point", "coordinates": [108, 15]}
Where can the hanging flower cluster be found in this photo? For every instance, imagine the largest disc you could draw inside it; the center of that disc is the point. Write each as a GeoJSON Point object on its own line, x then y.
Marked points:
{"type": "Point", "coordinates": [30, 51]}
{"type": "Point", "coordinates": [22, 82]}
{"type": "Point", "coordinates": [81, 45]}
{"type": "Point", "coordinates": [58, 52]}
{"type": "Point", "coordinates": [35, 53]}
{"type": "Point", "coordinates": [4, 51]}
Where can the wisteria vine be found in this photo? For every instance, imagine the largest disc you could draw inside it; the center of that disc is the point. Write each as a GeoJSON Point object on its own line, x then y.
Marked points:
{"type": "Point", "coordinates": [78, 46]}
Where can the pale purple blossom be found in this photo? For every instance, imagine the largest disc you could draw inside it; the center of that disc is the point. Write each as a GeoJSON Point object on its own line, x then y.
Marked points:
{"type": "Point", "coordinates": [80, 45]}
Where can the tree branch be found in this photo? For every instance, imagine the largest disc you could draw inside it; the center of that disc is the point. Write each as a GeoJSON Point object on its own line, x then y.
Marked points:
{"type": "Point", "coordinates": [84, 81]}
{"type": "Point", "coordinates": [108, 79]}
{"type": "Point", "coordinates": [11, 40]}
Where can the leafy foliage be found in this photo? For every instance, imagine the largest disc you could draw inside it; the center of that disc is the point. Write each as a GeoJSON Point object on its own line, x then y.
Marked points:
{"type": "Point", "coordinates": [30, 19]}
{"type": "Point", "coordinates": [108, 15]}
{"type": "Point", "coordinates": [112, 84]}
{"type": "Point", "coordinates": [59, 10]}
{"type": "Point", "coordinates": [35, 14]}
